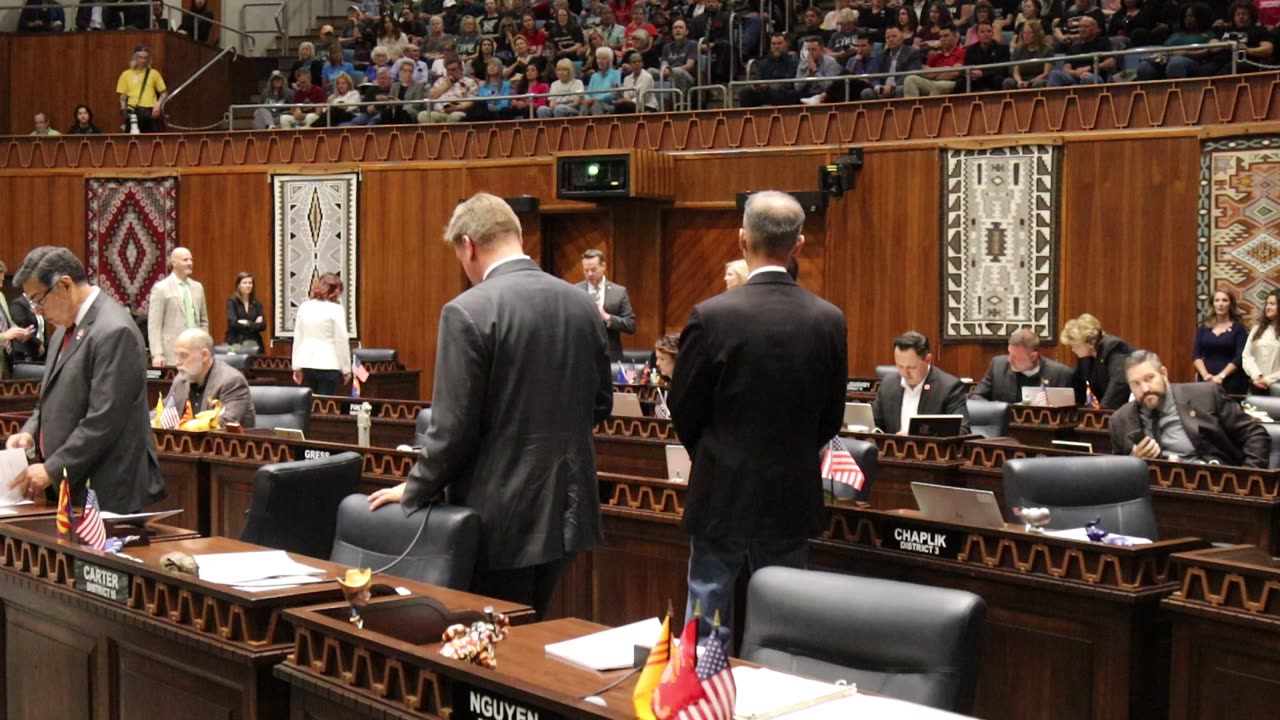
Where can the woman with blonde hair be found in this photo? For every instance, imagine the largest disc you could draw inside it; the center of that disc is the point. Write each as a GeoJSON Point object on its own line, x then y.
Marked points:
{"type": "Point", "coordinates": [1099, 362]}
{"type": "Point", "coordinates": [735, 274]}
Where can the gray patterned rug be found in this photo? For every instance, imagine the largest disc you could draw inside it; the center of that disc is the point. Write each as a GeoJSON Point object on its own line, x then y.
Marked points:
{"type": "Point", "coordinates": [316, 218]}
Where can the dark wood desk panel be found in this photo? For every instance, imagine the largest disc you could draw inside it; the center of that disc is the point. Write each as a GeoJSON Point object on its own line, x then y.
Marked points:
{"type": "Point", "coordinates": [19, 395]}
{"type": "Point", "coordinates": [1035, 425]}
{"type": "Point", "coordinates": [905, 459]}
{"type": "Point", "coordinates": [393, 421]}
{"type": "Point", "coordinates": [386, 379]}
{"type": "Point", "coordinates": [1094, 426]}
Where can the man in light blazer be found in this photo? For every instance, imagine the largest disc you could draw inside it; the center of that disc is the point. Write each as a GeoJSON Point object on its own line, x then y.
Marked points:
{"type": "Point", "coordinates": [612, 301]}
{"type": "Point", "coordinates": [202, 378]}
{"type": "Point", "coordinates": [91, 420]}
{"type": "Point", "coordinates": [522, 377]}
{"type": "Point", "coordinates": [1022, 367]}
{"type": "Point", "coordinates": [177, 304]}
{"type": "Point", "coordinates": [922, 388]}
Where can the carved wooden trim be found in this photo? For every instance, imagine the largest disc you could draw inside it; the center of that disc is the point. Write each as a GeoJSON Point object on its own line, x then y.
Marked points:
{"type": "Point", "coordinates": [639, 428]}
{"type": "Point", "coordinates": [37, 561]}
{"type": "Point", "coordinates": [189, 608]}
{"type": "Point", "coordinates": [11, 425]}
{"type": "Point", "coordinates": [334, 406]}
{"type": "Point", "coordinates": [647, 393]}
{"type": "Point", "coordinates": [280, 362]}
{"type": "Point", "coordinates": [917, 449]}
{"type": "Point", "coordinates": [247, 447]}
{"type": "Point", "coordinates": [179, 442]}
{"type": "Point", "coordinates": [20, 388]}
{"type": "Point", "coordinates": [364, 668]}
{"type": "Point", "coordinates": [1042, 417]}
{"type": "Point", "coordinates": [1216, 479]}
{"type": "Point", "coordinates": [1098, 420]}
{"type": "Point", "coordinates": [1253, 594]}
{"type": "Point", "coordinates": [659, 500]}
{"type": "Point", "coordinates": [388, 463]}
{"type": "Point", "coordinates": [993, 455]}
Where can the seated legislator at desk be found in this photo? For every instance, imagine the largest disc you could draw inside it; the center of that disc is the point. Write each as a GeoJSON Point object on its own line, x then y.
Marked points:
{"type": "Point", "coordinates": [922, 389]}
{"type": "Point", "coordinates": [1022, 367]}
{"type": "Point", "coordinates": [91, 418]}
{"type": "Point", "coordinates": [203, 378]}
{"type": "Point", "coordinates": [1099, 362]}
{"type": "Point", "coordinates": [1195, 422]}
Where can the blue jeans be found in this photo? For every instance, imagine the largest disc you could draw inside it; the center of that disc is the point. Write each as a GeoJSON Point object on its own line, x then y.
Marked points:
{"type": "Point", "coordinates": [714, 564]}
{"type": "Point", "coordinates": [1059, 78]}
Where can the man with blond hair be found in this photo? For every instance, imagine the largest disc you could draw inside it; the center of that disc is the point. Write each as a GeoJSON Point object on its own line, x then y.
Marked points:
{"type": "Point", "coordinates": [522, 377]}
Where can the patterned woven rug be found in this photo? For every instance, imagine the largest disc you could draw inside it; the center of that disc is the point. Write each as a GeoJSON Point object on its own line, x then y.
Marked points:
{"type": "Point", "coordinates": [1000, 239]}
{"type": "Point", "coordinates": [131, 227]}
{"type": "Point", "coordinates": [315, 233]}
{"type": "Point", "coordinates": [1238, 244]}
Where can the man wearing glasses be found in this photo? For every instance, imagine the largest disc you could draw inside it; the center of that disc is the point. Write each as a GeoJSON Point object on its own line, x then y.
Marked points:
{"type": "Point", "coordinates": [91, 419]}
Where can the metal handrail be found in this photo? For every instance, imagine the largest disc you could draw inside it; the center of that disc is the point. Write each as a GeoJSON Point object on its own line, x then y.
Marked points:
{"type": "Point", "coordinates": [151, 19]}
{"type": "Point", "coordinates": [230, 49]}
{"type": "Point", "coordinates": [279, 18]}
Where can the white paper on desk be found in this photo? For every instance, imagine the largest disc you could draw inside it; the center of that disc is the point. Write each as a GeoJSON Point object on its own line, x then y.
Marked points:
{"type": "Point", "coordinates": [609, 649]}
{"type": "Point", "coordinates": [246, 567]}
{"type": "Point", "coordinates": [278, 583]}
{"type": "Point", "coordinates": [12, 462]}
{"type": "Point", "coordinates": [762, 692]}
{"type": "Point", "coordinates": [1083, 535]}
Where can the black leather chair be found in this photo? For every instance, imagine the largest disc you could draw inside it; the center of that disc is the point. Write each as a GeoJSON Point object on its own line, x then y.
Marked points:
{"type": "Point", "coordinates": [636, 357]}
{"type": "Point", "coordinates": [295, 504]}
{"type": "Point", "coordinates": [281, 406]}
{"type": "Point", "coordinates": [248, 347]}
{"type": "Point", "coordinates": [444, 553]}
{"type": "Point", "coordinates": [1274, 390]}
{"type": "Point", "coordinates": [1113, 488]}
{"type": "Point", "coordinates": [912, 642]}
{"type": "Point", "coordinates": [236, 361]}
{"type": "Point", "coordinates": [988, 418]}
{"type": "Point", "coordinates": [1273, 429]}
{"type": "Point", "coordinates": [867, 455]}
{"type": "Point", "coordinates": [887, 372]}
{"type": "Point", "coordinates": [421, 426]}
{"type": "Point", "coordinates": [28, 371]}
{"type": "Point", "coordinates": [1268, 404]}
{"type": "Point", "coordinates": [368, 355]}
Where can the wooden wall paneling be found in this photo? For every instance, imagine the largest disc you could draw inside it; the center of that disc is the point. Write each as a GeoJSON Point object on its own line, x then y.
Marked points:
{"type": "Point", "coordinates": [534, 178]}
{"type": "Point", "coordinates": [111, 53]}
{"type": "Point", "coordinates": [36, 86]}
{"type": "Point", "coordinates": [698, 244]}
{"type": "Point", "coordinates": [566, 237]}
{"type": "Point", "coordinates": [41, 210]}
{"type": "Point", "coordinates": [705, 179]}
{"type": "Point", "coordinates": [5, 126]}
{"type": "Point", "coordinates": [637, 264]}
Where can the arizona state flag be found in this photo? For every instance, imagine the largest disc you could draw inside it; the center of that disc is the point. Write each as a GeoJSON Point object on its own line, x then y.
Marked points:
{"type": "Point", "coordinates": [65, 517]}
{"type": "Point", "coordinates": [1090, 400]}
{"type": "Point", "coordinates": [652, 672]}
{"type": "Point", "coordinates": [187, 414]}
{"type": "Point", "coordinates": [680, 686]}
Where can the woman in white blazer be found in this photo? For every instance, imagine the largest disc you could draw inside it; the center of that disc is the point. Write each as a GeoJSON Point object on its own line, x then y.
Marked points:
{"type": "Point", "coordinates": [321, 346]}
{"type": "Point", "coordinates": [1261, 356]}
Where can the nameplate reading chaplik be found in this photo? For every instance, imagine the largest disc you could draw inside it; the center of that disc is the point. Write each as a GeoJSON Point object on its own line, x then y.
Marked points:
{"type": "Point", "coordinates": [104, 582]}
{"type": "Point", "coordinates": [931, 541]}
{"type": "Point", "coordinates": [470, 703]}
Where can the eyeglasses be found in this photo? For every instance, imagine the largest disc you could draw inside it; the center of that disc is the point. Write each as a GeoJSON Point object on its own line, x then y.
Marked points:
{"type": "Point", "coordinates": [37, 304]}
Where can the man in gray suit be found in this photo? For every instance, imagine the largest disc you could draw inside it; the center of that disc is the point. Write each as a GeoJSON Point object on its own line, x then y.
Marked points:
{"type": "Point", "coordinates": [177, 304]}
{"type": "Point", "coordinates": [896, 57]}
{"type": "Point", "coordinates": [612, 301]}
{"type": "Point", "coordinates": [522, 377]}
{"type": "Point", "coordinates": [1022, 367]}
{"type": "Point", "coordinates": [91, 421]}
{"type": "Point", "coordinates": [202, 378]}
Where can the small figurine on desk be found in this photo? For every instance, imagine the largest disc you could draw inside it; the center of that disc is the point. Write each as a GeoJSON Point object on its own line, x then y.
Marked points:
{"type": "Point", "coordinates": [477, 644]}
{"type": "Point", "coordinates": [1036, 518]}
{"type": "Point", "coordinates": [1098, 535]}
{"type": "Point", "coordinates": [364, 423]}
{"type": "Point", "coordinates": [356, 588]}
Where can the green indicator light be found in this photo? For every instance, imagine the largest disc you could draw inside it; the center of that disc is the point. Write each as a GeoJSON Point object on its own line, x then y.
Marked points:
{"type": "Point", "coordinates": [593, 169]}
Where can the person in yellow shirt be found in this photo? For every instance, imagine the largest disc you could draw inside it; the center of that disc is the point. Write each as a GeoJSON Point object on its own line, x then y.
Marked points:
{"type": "Point", "coordinates": [142, 90]}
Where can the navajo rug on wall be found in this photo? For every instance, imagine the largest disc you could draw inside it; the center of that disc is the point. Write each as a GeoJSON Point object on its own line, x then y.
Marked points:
{"type": "Point", "coordinates": [315, 233]}
{"type": "Point", "coordinates": [999, 242]}
{"type": "Point", "coordinates": [1238, 240]}
{"type": "Point", "coordinates": [131, 225]}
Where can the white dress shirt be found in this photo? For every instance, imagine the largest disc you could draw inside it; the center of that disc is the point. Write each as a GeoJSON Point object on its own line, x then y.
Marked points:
{"type": "Point", "coordinates": [88, 301]}
{"type": "Point", "coordinates": [503, 261]}
{"type": "Point", "coordinates": [597, 292]}
{"type": "Point", "coordinates": [765, 269]}
{"type": "Point", "coordinates": [910, 403]}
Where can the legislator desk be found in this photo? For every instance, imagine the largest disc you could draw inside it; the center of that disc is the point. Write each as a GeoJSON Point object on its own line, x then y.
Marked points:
{"type": "Point", "coordinates": [1041, 425]}
{"type": "Point", "coordinates": [387, 379]}
{"type": "Point", "coordinates": [1226, 635]}
{"type": "Point", "coordinates": [1093, 425]}
{"type": "Point", "coordinates": [1073, 629]}
{"type": "Point", "coordinates": [1219, 503]}
{"type": "Point", "coordinates": [905, 459]}
{"type": "Point", "coordinates": [333, 419]}
{"type": "Point", "coordinates": [19, 395]}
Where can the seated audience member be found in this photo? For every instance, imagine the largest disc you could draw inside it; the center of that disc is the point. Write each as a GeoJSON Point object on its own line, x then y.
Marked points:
{"type": "Point", "coordinates": [1250, 37]}
{"type": "Point", "coordinates": [467, 41]}
{"type": "Point", "coordinates": [680, 58]}
{"type": "Point", "coordinates": [336, 65]}
{"type": "Point", "coordinates": [665, 352]}
{"type": "Point", "coordinates": [711, 30]}
{"type": "Point", "coordinates": [1195, 422]}
{"type": "Point", "coordinates": [566, 39]}
{"type": "Point", "coordinates": [840, 46]}
{"type": "Point", "coordinates": [929, 36]}
{"type": "Point", "coordinates": [198, 25]}
{"type": "Point", "coordinates": [984, 12]}
{"type": "Point", "coordinates": [1099, 362]}
{"type": "Point", "coordinates": [83, 124]}
{"type": "Point", "coordinates": [560, 103]}
{"type": "Point", "coordinates": [864, 61]}
{"type": "Point", "coordinates": [1066, 30]}
{"type": "Point", "coordinates": [816, 64]}
{"type": "Point", "coordinates": [277, 94]}
{"type": "Point", "coordinates": [532, 34]}
{"type": "Point", "coordinates": [490, 20]}
{"type": "Point", "coordinates": [986, 52]}
{"type": "Point", "coordinates": [350, 35]}
{"type": "Point", "coordinates": [159, 20]}
{"type": "Point", "coordinates": [535, 87]}
{"type": "Point", "coordinates": [479, 67]}
{"type": "Point", "coordinates": [897, 56]}
{"type": "Point", "coordinates": [614, 34]}
{"type": "Point", "coordinates": [1261, 356]}
{"type": "Point", "coordinates": [413, 27]}
{"type": "Point", "coordinates": [948, 54]}
{"type": "Point", "coordinates": [735, 274]}
{"type": "Point", "coordinates": [777, 65]}
{"type": "Point", "coordinates": [35, 18]}
{"type": "Point", "coordinates": [875, 18]}
{"type": "Point", "coordinates": [379, 91]}
{"type": "Point", "coordinates": [922, 388]}
{"type": "Point", "coordinates": [643, 44]}
{"type": "Point", "coordinates": [908, 24]}
{"type": "Point", "coordinates": [308, 61]}
{"type": "Point", "coordinates": [305, 92]}
{"type": "Point", "coordinates": [831, 21]}
{"type": "Point", "coordinates": [1031, 47]}
{"type": "Point", "coordinates": [345, 101]}
{"type": "Point", "coordinates": [451, 15]}
{"type": "Point", "coordinates": [41, 122]}
{"type": "Point", "coordinates": [810, 26]}
{"type": "Point", "coordinates": [638, 22]}
{"type": "Point", "coordinates": [391, 37]}
{"type": "Point", "coordinates": [379, 58]}
{"type": "Point", "coordinates": [454, 93]}
{"type": "Point", "coordinates": [592, 15]}
{"type": "Point", "coordinates": [437, 66]}
{"type": "Point", "coordinates": [604, 84]}
{"type": "Point", "coordinates": [203, 377]}
{"type": "Point", "coordinates": [1195, 29]}
{"type": "Point", "coordinates": [635, 95]}
{"type": "Point", "coordinates": [1080, 72]}
{"type": "Point", "coordinates": [1135, 22]}
{"type": "Point", "coordinates": [1219, 344]}
{"type": "Point", "coordinates": [959, 12]}
{"type": "Point", "coordinates": [421, 68]}
{"type": "Point", "coordinates": [408, 90]}
{"type": "Point", "coordinates": [1023, 367]}
{"type": "Point", "coordinates": [433, 43]}
{"type": "Point", "coordinates": [494, 85]}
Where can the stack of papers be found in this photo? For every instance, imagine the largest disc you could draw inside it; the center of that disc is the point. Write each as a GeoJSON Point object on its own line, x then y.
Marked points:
{"type": "Point", "coordinates": [764, 694]}
{"type": "Point", "coordinates": [12, 462]}
{"type": "Point", "coordinates": [611, 649]}
{"type": "Point", "coordinates": [256, 571]}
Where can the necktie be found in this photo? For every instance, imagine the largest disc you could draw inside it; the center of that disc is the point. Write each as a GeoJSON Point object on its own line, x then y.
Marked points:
{"type": "Point", "coordinates": [1155, 425]}
{"type": "Point", "coordinates": [187, 308]}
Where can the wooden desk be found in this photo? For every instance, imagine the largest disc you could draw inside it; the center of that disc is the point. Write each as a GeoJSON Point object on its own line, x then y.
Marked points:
{"type": "Point", "coordinates": [1094, 426]}
{"type": "Point", "coordinates": [1226, 635]}
{"type": "Point", "coordinates": [1038, 425]}
{"type": "Point", "coordinates": [905, 459]}
{"type": "Point", "coordinates": [19, 395]}
{"type": "Point", "coordinates": [386, 379]}
{"type": "Point", "coordinates": [393, 421]}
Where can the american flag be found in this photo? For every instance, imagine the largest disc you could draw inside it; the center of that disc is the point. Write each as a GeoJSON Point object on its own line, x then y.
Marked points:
{"type": "Point", "coordinates": [359, 375]}
{"type": "Point", "coordinates": [1042, 398]}
{"type": "Point", "coordinates": [660, 409]}
{"type": "Point", "coordinates": [838, 465]}
{"type": "Point", "coordinates": [717, 684]}
{"type": "Point", "coordinates": [91, 529]}
{"type": "Point", "coordinates": [621, 377]}
{"type": "Point", "coordinates": [169, 416]}
{"type": "Point", "coordinates": [1090, 400]}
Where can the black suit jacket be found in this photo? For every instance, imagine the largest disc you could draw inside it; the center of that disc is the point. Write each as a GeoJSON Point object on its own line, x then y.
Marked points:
{"type": "Point", "coordinates": [1001, 382]}
{"type": "Point", "coordinates": [757, 391]}
{"type": "Point", "coordinates": [944, 394]}
{"type": "Point", "coordinates": [1105, 373]}
{"type": "Point", "coordinates": [1216, 425]}
{"type": "Point", "coordinates": [33, 349]}
{"type": "Point", "coordinates": [622, 318]}
{"type": "Point", "coordinates": [252, 328]}
{"type": "Point", "coordinates": [521, 379]}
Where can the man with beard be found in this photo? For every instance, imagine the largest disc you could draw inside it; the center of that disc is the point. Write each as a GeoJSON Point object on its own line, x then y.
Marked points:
{"type": "Point", "coordinates": [203, 377]}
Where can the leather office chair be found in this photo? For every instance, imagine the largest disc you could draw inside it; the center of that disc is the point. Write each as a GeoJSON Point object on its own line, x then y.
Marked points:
{"type": "Point", "coordinates": [912, 642]}
{"type": "Point", "coordinates": [1268, 404]}
{"type": "Point", "coordinates": [281, 406]}
{"type": "Point", "coordinates": [1274, 390]}
{"type": "Point", "coordinates": [988, 418]}
{"type": "Point", "coordinates": [1273, 429]}
{"type": "Point", "coordinates": [887, 372]}
{"type": "Point", "coordinates": [636, 357]}
{"type": "Point", "coordinates": [1114, 488]}
{"type": "Point", "coordinates": [221, 349]}
{"type": "Point", "coordinates": [368, 355]}
{"type": "Point", "coordinates": [295, 504]}
{"type": "Point", "coordinates": [421, 426]}
{"type": "Point", "coordinates": [867, 455]}
{"type": "Point", "coordinates": [236, 361]}
{"type": "Point", "coordinates": [444, 553]}
{"type": "Point", "coordinates": [28, 371]}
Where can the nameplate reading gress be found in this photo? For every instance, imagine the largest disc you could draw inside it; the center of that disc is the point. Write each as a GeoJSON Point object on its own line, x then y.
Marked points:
{"type": "Point", "coordinates": [104, 582]}
{"type": "Point", "coordinates": [471, 703]}
{"type": "Point", "coordinates": [301, 453]}
{"type": "Point", "coordinates": [925, 540]}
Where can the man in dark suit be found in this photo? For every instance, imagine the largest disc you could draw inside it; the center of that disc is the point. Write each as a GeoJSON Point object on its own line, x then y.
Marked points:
{"type": "Point", "coordinates": [33, 348]}
{"type": "Point", "coordinates": [612, 301]}
{"type": "Point", "coordinates": [202, 378]}
{"type": "Point", "coordinates": [922, 389]}
{"type": "Point", "coordinates": [522, 377]}
{"type": "Point", "coordinates": [1022, 367]}
{"type": "Point", "coordinates": [757, 391]}
{"type": "Point", "coordinates": [896, 57]}
{"type": "Point", "coordinates": [1184, 421]}
{"type": "Point", "coordinates": [91, 419]}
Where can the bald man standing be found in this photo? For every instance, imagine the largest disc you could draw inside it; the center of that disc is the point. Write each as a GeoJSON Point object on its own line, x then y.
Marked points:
{"type": "Point", "coordinates": [177, 304]}
{"type": "Point", "coordinates": [203, 377]}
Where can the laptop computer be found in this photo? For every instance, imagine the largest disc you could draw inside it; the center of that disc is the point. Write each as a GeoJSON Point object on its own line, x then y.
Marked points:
{"type": "Point", "coordinates": [964, 506]}
{"type": "Point", "coordinates": [626, 405]}
{"type": "Point", "coordinates": [858, 417]}
{"type": "Point", "coordinates": [1058, 396]}
{"type": "Point", "coordinates": [678, 464]}
{"type": "Point", "coordinates": [936, 425]}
